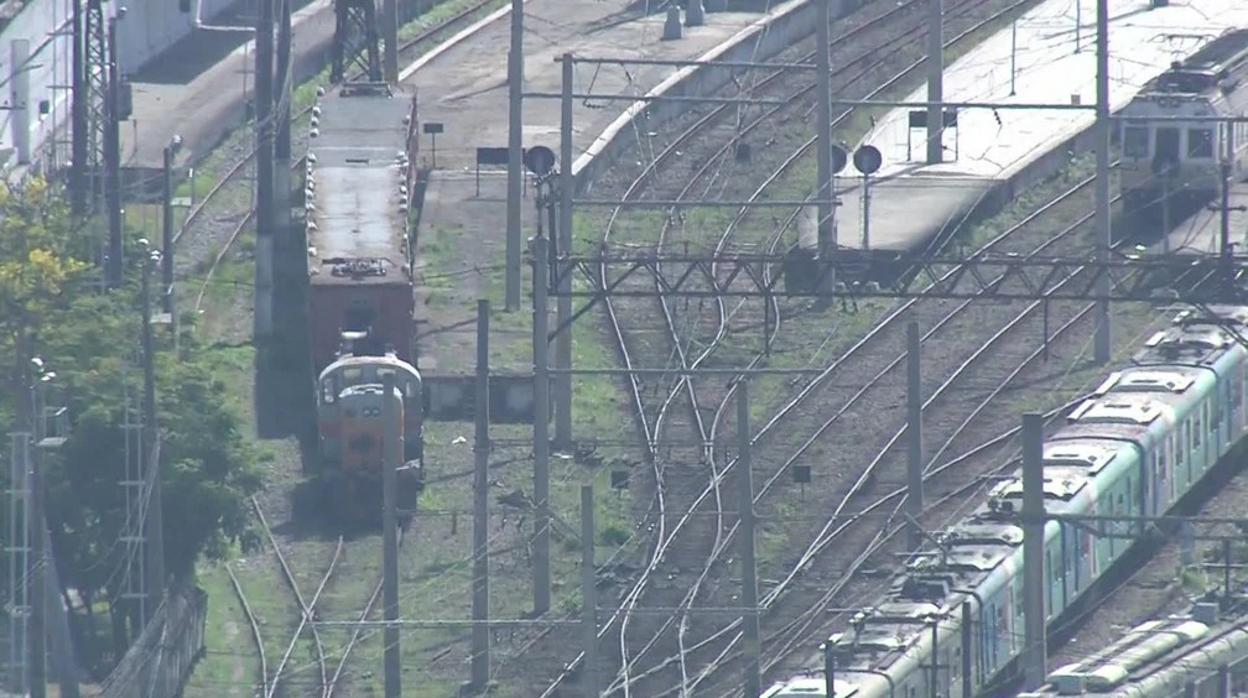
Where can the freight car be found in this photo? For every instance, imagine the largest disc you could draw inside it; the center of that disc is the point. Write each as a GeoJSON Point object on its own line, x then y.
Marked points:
{"type": "Point", "coordinates": [360, 290]}
{"type": "Point", "coordinates": [359, 175]}
{"type": "Point", "coordinates": [1164, 156]}
{"type": "Point", "coordinates": [1147, 436]}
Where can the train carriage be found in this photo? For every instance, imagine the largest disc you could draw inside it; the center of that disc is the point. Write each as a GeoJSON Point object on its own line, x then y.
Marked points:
{"type": "Point", "coordinates": [1136, 447]}
{"type": "Point", "coordinates": [1163, 155]}
{"type": "Point", "coordinates": [361, 299]}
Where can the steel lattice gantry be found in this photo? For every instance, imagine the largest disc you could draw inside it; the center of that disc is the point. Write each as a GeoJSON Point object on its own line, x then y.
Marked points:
{"type": "Point", "coordinates": [1193, 280]}
{"type": "Point", "coordinates": [356, 40]}
{"type": "Point", "coordinates": [95, 71]}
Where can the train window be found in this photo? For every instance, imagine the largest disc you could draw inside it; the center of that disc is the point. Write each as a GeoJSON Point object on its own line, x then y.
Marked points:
{"type": "Point", "coordinates": [1200, 142]}
{"type": "Point", "coordinates": [1135, 141]}
{"type": "Point", "coordinates": [1196, 430]}
{"type": "Point", "coordinates": [1178, 452]}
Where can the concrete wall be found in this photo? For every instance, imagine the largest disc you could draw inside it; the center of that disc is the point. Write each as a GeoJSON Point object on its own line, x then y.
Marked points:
{"type": "Point", "coordinates": [32, 81]}
{"type": "Point", "coordinates": [39, 83]}
{"type": "Point", "coordinates": [151, 26]}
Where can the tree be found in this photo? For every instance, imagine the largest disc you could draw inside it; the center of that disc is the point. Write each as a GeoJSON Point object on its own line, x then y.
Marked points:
{"type": "Point", "coordinates": [91, 340]}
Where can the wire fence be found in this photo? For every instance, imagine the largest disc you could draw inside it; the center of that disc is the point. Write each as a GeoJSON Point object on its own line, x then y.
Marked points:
{"type": "Point", "coordinates": [158, 664]}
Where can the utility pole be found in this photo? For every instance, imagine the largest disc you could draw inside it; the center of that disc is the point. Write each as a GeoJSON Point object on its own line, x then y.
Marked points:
{"type": "Point", "coordinates": [1034, 649]}
{"type": "Point", "coordinates": [589, 595]}
{"type": "Point", "coordinates": [283, 95]}
{"type": "Point", "coordinates": [935, 80]}
{"type": "Point", "coordinates": [563, 304]}
{"type": "Point", "coordinates": [112, 157]}
{"type": "Point", "coordinates": [155, 517]}
{"type": "Point", "coordinates": [79, 113]}
{"type": "Point", "coordinates": [1224, 243]}
{"type": "Point", "coordinates": [392, 452]}
{"type": "Point", "coordinates": [541, 429]}
{"type": "Point", "coordinates": [481, 503]}
{"type": "Point", "coordinates": [515, 154]}
{"type": "Point", "coordinates": [264, 171]}
{"type": "Point", "coordinates": [167, 232]}
{"type": "Point", "coordinates": [749, 570]}
{"type": "Point", "coordinates": [1103, 339]}
{"type": "Point", "coordinates": [389, 25]}
{"type": "Point", "coordinates": [823, 135]}
{"type": "Point", "coordinates": [38, 662]}
{"type": "Point", "coordinates": [914, 435]}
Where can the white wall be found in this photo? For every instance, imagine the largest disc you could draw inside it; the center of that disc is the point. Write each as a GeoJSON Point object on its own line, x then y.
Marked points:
{"type": "Point", "coordinates": [149, 27]}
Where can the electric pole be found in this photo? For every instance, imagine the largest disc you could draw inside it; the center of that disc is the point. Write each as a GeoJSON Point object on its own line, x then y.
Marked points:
{"type": "Point", "coordinates": [264, 172]}
{"type": "Point", "coordinates": [1103, 339]}
{"type": "Point", "coordinates": [112, 157]}
{"type": "Point", "coordinates": [515, 155]}
{"type": "Point", "coordinates": [480, 661]}
{"type": "Point", "coordinates": [155, 517]}
{"type": "Point", "coordinates": [79, 114]}
{"type": "Point", "coordinates": [389, 25]}
{"type": "Point", "coordinates": [823, 134]}
{"type": "Point", "coordinates": [392, 452]}
{"type": "Point", "coordinates": [935, 81]}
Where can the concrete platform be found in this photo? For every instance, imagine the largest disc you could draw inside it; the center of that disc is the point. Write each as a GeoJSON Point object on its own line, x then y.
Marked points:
{"type": "Point", "coordinates": [202, 105]}
{"type": "Point", "coordinates": [1201, 232]}
{"type": "Point", "coordinates": [990, 155]}
{"type": "Point", "coordinates": [465, 88]}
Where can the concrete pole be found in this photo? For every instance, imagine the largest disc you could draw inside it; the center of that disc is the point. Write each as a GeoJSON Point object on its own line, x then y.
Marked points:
{"type": "Point", "coordinates": [79, 113]}
{"type": "Point", "coordinates": [155, 536]}
{"type": "Point", "coordinates": [264, 171]}
{"type": "Point", "coordinates": [166, 229]}
{"type": "Point", "coordinates": [392, 453]}
{"type": "Point", "coordinates": [541, 429]}
{"type": "Point", "coordinates": [37, 641]}
{"type": "Point", "coordinates": [914, 435]}
{"type": "Point", "coordinates": [515, 155]}
{"type": "Point", "coordinates": [968, 641]}
{"type": "Point", "coordinates": [563, 304]}
{"type": "Point", "coordinates": [589, 595]}
{"type": "Point", "coordinates": [283, 93]}
{"type": "Point", "coordinates": [935, 79]}
{"type": "Point", "coordinates": [823, 135]}
{"type": "Point", "coordinates": [390, 25]}
{"type": "Point", "coordinates": [481, 502]}
{"type": "Point", "coordinates": [57, 624]}
{"type": "Point", "coordinates": [1103, 337]}
{"type": "Point", "coordinates": [112, 162]}
{"type": "Point", "coordinates": [1224, 243]}
{"type": "Point", "coordinates": [19, 98]}
{"type": "Point", "coordinates": [1034, 650]}
{"type": "Point", "coordinates": [749, 570]}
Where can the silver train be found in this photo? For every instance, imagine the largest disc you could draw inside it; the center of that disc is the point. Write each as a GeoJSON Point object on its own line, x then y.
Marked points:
{"type": "Point", "coordinates": [1163, 155]}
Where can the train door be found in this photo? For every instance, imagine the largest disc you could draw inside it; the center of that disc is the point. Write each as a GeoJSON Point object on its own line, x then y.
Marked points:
{"type": "Point", "coordinates": [1166, 148]}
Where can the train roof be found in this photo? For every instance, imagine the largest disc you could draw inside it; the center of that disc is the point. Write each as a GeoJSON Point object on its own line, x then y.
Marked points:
{"type": "Point", "coordinates": [358, 174]}
{"type": "Point", "coordinates": [1221, 60]}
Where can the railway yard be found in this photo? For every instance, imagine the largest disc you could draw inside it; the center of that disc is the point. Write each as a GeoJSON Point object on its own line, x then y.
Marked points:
{"type": "Point", "coordinates": [712, 239]}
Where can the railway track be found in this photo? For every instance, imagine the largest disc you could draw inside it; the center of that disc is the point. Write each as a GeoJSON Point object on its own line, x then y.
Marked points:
{"type": "Point", "coordinates": [684, 386]}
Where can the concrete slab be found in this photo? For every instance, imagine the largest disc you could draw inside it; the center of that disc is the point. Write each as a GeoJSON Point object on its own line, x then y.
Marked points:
{"type": "Point", "coordinates": [1201, 233]}
{"type": "Point", "coordinates": [213, 102]}
{"type": "Point", "coordinates": [465, 88]}
{"type": "Point", "coordinates": [988, 148]}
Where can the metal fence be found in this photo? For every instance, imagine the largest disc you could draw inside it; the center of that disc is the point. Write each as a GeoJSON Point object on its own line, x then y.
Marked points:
{"type": "Point", "coordinates": [158, 664]}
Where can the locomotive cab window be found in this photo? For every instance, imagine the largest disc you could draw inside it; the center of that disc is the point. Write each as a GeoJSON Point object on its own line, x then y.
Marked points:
{"type": "Point", "coordinates": [1200, 142]}
{"type": "Point", "coordinates": [1135, 141]}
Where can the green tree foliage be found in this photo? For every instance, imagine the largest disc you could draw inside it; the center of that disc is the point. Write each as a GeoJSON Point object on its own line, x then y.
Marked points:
{"type": "Point", "coordinates": [91, 341]}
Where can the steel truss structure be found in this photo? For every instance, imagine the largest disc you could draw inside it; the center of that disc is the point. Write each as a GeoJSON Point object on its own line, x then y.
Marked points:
{"type": "Point", "coordinates": [1198, 281]}
{"type": "Point", "coordinates": [356, 40]}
